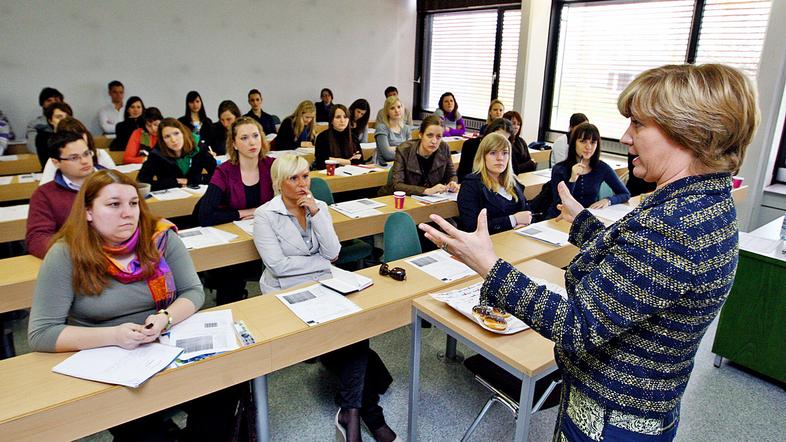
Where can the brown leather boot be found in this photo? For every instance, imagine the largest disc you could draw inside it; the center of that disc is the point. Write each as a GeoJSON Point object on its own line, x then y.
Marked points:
{"type": "Point", "coordinates": [348, 425]}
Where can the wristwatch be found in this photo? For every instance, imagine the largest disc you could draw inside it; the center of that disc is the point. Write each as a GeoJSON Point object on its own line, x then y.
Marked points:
{"type": "Point", "coordinates": [168, 319]}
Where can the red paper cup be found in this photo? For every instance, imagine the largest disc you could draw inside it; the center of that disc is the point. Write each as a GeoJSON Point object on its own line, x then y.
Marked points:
{"type": "Point", "coordinates": [736, 181]}
{"type": "Point", "coordinates": [330, 166]}
{"type": "Point", "coordinates": [398, 199]}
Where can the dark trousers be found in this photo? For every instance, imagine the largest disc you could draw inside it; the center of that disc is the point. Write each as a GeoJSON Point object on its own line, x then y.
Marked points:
{"type": "Point", "coordinates": [363, 377]}
{"type": "Point", "coordinates": [230, 282]}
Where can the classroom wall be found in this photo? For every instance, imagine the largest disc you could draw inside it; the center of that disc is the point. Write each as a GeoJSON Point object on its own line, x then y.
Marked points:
{"type": "Point", "coordinates": [289, 49]}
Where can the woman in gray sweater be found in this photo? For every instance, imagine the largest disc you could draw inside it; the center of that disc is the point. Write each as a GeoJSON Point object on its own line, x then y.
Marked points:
{"type": "Point", "coordinates": [118, 276]}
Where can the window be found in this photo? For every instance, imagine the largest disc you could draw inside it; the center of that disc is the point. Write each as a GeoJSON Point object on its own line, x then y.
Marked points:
{"type": "Point", "coordinates": [463, 54]}
{"type": "Point", "coordinates": [602, 46]}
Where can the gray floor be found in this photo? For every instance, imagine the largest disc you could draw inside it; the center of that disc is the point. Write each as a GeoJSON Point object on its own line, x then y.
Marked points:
{"type": "Point", "coordinates": [726, 404]}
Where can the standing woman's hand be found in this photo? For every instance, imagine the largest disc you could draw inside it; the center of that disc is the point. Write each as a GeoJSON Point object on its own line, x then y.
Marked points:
{"type": "Point", "coordinates": [569, 208]}
{"type": "Point", "coordinates": [474, 249]}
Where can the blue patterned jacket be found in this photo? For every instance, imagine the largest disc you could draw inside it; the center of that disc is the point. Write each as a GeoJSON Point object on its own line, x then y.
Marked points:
{"type": "Point", "coordinates": [641, 294]}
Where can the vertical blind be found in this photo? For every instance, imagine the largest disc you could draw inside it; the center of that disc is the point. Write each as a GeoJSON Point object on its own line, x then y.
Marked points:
{"type": "Point", "coordinates": [462, 59]}
{"type": "Point", "coordinates": [603, 46]}
{"type": "Point", "coordinates": [732, 32]}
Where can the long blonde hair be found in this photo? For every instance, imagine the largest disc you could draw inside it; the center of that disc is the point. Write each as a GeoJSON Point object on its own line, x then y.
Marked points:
{"type": "Point", "coordinates": [389, 103]}
{"type": "Point", "coordinates": [494, 142]}
{"type": "Point", "coordinates": [491, 105]}
{"type": "Point", "coordinates": [304, 107]}
{"type": "Point", "coordinates": [232, 133]}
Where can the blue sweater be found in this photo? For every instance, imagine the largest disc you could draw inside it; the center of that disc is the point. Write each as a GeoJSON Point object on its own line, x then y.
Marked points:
{"type": "Point", "coordinates": [586, 187]}
{"type": "Point", "coordinates": [641, 294]}
{"type": "Point", "coordinates": [474, 197]}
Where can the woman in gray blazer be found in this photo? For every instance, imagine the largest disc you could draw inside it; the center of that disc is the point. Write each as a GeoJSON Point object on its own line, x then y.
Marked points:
{"type": "Point", "coordinates": [294, 235]}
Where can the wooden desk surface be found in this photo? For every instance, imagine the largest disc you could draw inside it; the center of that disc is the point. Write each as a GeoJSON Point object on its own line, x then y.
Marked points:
{"type": "Point", "coordinates": [25, 163]}
{"type": "Point", "coordinates": [527, 351]}
{"type": "Point", "coordinates": [16, 191]}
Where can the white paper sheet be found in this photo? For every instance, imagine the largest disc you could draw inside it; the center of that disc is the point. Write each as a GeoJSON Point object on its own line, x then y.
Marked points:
{"type": "Point", "coordinates": [437, 197]}
{"type": "Point", "coordinates": [247, 225]}
{"type": "Point", "coordinates": [115, 365]}
{"type": "Point", "coordinates": [174, 193]}
{"type": "Point", "coordinates": [346, 282]}
{"type": "Point", "coordinates": [5, 180]}
{"type": "Point", "coordinates": [614, 212]}
{"type": "Point", "coordinates": [29, 177]}
{"type": "Point", "coordinates": [546, 173]}
{"type": "Point", "coordinates": [441, 265]}
{"type": "Point", "coordinates": [128, 168]}
{"type": "Point", "coordinates": [462, 300]}
{"type": "Point", "coordinates": [198, 191]}
{"type": "Point", "coordinates": [368, 145]}
{"type": "Point", "coordinates": [361, 208]}
{"type": "Point", "coordinates": [540, 232]}
{"type": "Point", "coordinates": [772, 247]}
{"type": "Point", "coordinates": [199, 237]}
{"type": "Point", "coordinates": [9, 157]}
{"type": "Point", "coordinates": [203, 333]}
{"type": "Point", "coordinates": [270, 137]}
{"type": "Point", "coordinates": [453, 138]}
{"type": "Point", "coordinates": [13, 213]}
{"type": "Point", "coordinates": [316, 304]}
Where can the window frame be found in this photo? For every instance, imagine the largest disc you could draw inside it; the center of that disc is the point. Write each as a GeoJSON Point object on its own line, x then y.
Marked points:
{"type": "Point", "coordinates": [423, 54]}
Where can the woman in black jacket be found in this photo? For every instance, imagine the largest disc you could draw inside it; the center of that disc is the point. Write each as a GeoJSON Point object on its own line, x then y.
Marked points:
{"type": "Point", "coordinates": [492, 186]}
{"type": "Point", "coordinates": [337, 143]}
{"type": "Point", "coordinates": [195, 118]}
{"type": "Point", "coordinates": [177, 160]}
{"type": "Point", "coordinates": [297, 130]}
{"type": "Point", "coordinates": [132, 120]}
{"type": "Point", "coordinates": [522, 160]}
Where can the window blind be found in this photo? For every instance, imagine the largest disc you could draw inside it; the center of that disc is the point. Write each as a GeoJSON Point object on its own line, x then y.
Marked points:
{"type": "Point", "coordinates": [509, 56]}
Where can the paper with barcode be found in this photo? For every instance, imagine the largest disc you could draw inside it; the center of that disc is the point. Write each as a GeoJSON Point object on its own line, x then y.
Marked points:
{"type": "Point", "coordinates": [203, 333]}
{"type": "Point", "coordinates": [317, 304]}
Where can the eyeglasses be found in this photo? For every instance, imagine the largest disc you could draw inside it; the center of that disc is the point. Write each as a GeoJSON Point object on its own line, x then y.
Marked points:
{"type": "Point", "coordinates": [396, 273]}
{"type": "Point", "coordinates": [78, 157]}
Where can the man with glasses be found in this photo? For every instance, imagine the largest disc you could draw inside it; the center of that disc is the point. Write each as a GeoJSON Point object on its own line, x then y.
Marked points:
{"type": "Point", "coordinates": [51, 203]}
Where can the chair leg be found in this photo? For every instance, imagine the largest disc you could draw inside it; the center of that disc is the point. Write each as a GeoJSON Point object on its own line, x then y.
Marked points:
{"type": "Point", "coordinates": [475, 423]}
{"type": "Point", "coordinates": [545, 395]}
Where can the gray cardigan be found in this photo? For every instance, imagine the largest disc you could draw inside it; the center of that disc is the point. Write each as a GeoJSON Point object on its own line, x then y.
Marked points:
{"type": "Point", "coordinates": [55, 304]}
{"type": "Point", "coordinates": [288, 259]}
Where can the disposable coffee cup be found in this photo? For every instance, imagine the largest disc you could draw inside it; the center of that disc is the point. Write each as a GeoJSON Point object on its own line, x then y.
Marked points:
{"type": "Point", "coordinates": [398, 199]}
{"type": "Point", "coordinates": [330, 166]}
{"type": "Point", "coordinates": [736, 181]}
{"type": "Point", "coordinates": [144, 189]}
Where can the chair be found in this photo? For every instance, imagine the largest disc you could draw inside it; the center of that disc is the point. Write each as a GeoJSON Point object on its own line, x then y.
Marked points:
{"type": "Point", "coordinates": [505, 388]}
{"type": "Point", "coordinates": [401, 237]}
{"type": "Point", "coordinates": [354, 250]}
{"type": "Point", "coordinates": [604, 191]}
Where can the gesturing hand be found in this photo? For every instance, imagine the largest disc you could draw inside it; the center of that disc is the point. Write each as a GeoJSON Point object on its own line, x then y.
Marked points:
{"type": "Point", "coordinates": [570, 208]}
{"type": "Point", "coordinates": [474, 249]}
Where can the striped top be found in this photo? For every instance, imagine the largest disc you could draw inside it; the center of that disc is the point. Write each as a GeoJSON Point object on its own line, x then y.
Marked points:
{"type": "Point", "coordinates": [641, 294]}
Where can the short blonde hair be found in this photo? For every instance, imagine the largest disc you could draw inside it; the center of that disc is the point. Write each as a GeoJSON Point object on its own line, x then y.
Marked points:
{"type": "Point", "coordinates": [389, 103]}
{"type": "Point", "coordinates": [709, 109]}
{"type": "Point", "coordinates": [284, 167]}
{"type": "Point", "coordinates": [232, 133]}
{"type": "Point", "coordinates": [494, 142]}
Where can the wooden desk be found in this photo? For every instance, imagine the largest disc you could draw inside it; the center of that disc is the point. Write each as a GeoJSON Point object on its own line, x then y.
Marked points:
{"type": "Point", "coordinates": [103, 142]}
{"type": "Point", "coordinates": [344, 183]}
{"type": "Point", "coordinates": [16, 191]}
{"type": "Point", "coordinates": [117, 156]}
{"type": "Point", "coordinates": [540, 156]}
{"type": "Point", "coordinates": [25, 163]}
{"type": "Point", "coordinates": [526, 354]}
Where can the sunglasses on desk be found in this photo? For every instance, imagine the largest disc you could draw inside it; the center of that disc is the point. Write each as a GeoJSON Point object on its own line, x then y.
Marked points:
{"type": "Point", "coordinates": [396, 273]}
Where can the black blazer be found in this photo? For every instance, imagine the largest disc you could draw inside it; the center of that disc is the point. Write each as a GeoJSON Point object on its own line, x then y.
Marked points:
{"type": "Point", "coordinates": [323, 112]}
{"type": "Point", "coordinates": [204, 130]}
{"type": "Point", "coordinates": [468, 151]}
{"type": "Point", "coordinates": [474, 197]}
{"type": "Point", "coordinates": [218, 139]}
{"type": "Point", "coordinates": [123, 132]}
{"type": "Point", "coordinates": [165, 170]}
{"type": "Point", "coordinates": [265, 120]}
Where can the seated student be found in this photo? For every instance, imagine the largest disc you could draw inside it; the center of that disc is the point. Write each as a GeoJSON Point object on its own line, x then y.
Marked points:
{"type": "Point", "coordinates": [493, 186]}
{"type": "Point", "coordinates": [323, 106]}
{"type": "Point", "coordinates": [5, 133]}
{"type": "Point", "coordinates": [71, 124]}
{"type": "Point", "coordinates": [264, 119]}
{"type": "Point", "coordinates": [195, 118]}
{"type": "Point", "coordinates": [470, 147]}
{"type": "Point", "coordinates": [297, 130]}
{"type": "Point", "coordinates": [559, 149]}
{"type": "Point", "coordinates": [47, 96]}
{"type": "Point", "coordinates": [132, 120]}
{"type": "Point", "coordinates": [424, 166]}
{"type": "Point", "coordinates": [336, 143]}
{"type": "Point", "coordinates": [451, 118]}
{"type": "Point", "coordinates": [359, 112]}
{"type": "Point", "coordinates": [294, 235]}
{"type": "Point", "coordinates": [228, 113]}
{"type": "Point", "coordinates": [144, 139]}
{"type": "Point", "coordinates": [118, 276]}
{"type": "Point", "coordinates": [583, 172]}
{"type": "Point", "coordinates": [522, 160]}
{"type": "Point", "coordinates": [112, 113]}
{"type": "Point", "coordinates": [53, 113]}
{"type": "Point", "coordinates": [391, 91]}
{"type": "Point", "coordinates": [390, 131]}
{"type": "Point", "coordinates": [496, 109]}
{"type": "Point", "coordinates": [51, 203]}
{"type": "Point", "coordinates": [237, 188]}
{"type": "Point", "coordinates": [177, 160]}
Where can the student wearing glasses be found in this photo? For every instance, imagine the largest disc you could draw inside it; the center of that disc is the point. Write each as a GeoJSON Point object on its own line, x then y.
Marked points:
{"type": "Point", "coordinates": [51, 203]}
{"type": "Point", "coordinates": [493, 186]}
{"type": "Point", "coordinates": [177, 160]}
{"type": "Point", "coordinates": [294, 235]}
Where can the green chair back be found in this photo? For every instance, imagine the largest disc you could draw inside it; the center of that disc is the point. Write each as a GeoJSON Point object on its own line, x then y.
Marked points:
{"type": "Point", "coordinates": [604, 191]}
{"type": "Point", "coordinates": [401, 237]}
{"type": "Point", "coordinates": [321, 190]}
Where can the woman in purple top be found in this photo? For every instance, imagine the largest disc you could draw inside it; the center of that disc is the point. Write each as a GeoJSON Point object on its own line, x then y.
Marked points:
{"type": "Point", "coordinates": [448, 112]}
{"type": "Point", "coordinates": [237, 188]}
